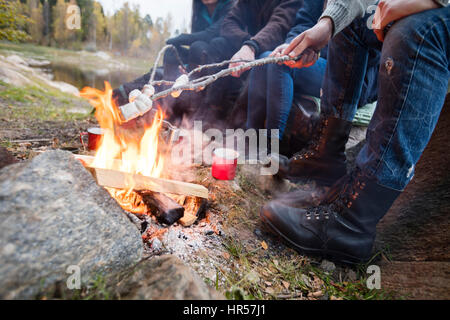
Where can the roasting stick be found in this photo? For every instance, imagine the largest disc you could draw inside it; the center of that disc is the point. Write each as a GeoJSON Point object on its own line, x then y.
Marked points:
{"type": "Point", "coordinates": [207, 80]}
{"type": "Point", "coordinates": [142, 101]}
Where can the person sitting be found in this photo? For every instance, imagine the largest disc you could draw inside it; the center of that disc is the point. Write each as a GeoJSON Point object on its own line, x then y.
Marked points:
{"type": "Point", "coordinates": [207, 18]}
{"type": "Point", "coordinates": [340, 222]}
{"type": "Point", "coordinates": [193, 48]}
{"type": "Point", "coordinates": [272, 87]}
{"type": "Point", "coordinates": [250, 27]}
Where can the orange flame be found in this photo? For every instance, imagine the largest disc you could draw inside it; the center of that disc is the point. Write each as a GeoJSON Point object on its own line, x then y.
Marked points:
{"type": "Point", "coordinates": [138, 150]}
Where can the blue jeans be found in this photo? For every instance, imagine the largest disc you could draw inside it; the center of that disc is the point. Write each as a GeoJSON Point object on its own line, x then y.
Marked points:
{"type": "Point", "coordinates": [413, 82]}
{"type": "Point", "coordinates": [271, 92]}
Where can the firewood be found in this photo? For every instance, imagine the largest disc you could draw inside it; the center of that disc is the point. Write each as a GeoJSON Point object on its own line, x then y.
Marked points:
{"type": "Point", "coordinates": [188, 219]}
{"type": "Point", "coordinates": [121, 180]}
{"type": "Point", "coordinates": [165, 209]}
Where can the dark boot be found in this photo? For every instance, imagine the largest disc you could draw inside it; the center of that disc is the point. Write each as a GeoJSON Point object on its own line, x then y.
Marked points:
{"type": "Point", "coordinates": [342, 227]}
{"type": "Point", "coordinates": [324, 159]}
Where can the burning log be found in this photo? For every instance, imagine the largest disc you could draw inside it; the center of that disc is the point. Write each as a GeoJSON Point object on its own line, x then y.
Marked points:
{"type": "Point", "coordinates": [165, 209]}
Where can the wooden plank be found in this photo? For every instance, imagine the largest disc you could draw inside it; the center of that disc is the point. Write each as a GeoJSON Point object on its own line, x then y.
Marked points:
{"type": "Point", "coordinates": [121, 180]}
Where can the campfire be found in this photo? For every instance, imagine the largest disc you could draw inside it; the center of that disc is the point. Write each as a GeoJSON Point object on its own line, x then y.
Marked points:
{"type": "Point", "coordinates": [131, 163]}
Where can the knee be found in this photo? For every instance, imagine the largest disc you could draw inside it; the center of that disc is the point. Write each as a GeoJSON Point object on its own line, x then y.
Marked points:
{"type": "Point", "coordinates": [421, 29]}
{"type": "Point", "coordinates": [219, 42]}
{"type": "Point", "coordinates": [198, 53]}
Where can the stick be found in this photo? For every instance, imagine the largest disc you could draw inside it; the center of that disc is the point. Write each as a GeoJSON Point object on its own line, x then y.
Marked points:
{"type": "Point", "coordinates": [121, 180]}
{"type": "Point", "coordinates": [158, 58]}
{"type": "Point", "coordinates": [223, 73]}
{"type": "Point", "coordinates": [31, 140]}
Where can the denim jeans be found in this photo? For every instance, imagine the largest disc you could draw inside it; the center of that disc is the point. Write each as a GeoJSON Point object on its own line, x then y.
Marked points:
{"type": "Point", "coordinates": [413, 82]}
{"type": "Point", "coordinates": [271, 92]}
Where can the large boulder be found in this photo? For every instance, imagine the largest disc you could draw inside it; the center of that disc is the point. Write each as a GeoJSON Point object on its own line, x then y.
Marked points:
{"type": "Point", "coordinates": [53, 215]}
{"type": "Point", "coordinates": [164, 278]}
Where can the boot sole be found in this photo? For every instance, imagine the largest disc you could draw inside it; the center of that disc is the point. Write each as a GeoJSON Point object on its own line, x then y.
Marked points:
{"type": "Point", "coordinates": [327, 254]}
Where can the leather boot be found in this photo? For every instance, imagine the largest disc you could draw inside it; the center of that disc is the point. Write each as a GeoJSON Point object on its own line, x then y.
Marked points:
{"type": "Point", "coordinates": [324, 159]}
{"type": "Point", "coordinates": [342, 227]}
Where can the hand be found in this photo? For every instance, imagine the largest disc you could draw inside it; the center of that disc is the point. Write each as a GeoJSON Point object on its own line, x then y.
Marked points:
{"type": "Point", "coordinates": [246, 53]}
{"type": "Point", "coordinates": [313, 39]}
{"type": "Point", "coordinates": [278, 52]}
{"type": "Point", "coordinates": [182, 39]}
{"type": "Point", "coordinates": [392, 10]}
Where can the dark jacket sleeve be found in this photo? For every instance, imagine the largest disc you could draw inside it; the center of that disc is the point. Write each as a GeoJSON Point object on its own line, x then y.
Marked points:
{"type": "Point", "coordinates": [281, 21]}
{"type": "Point", "coordinates": [306, 18]}
{"type": "Point", "coordinates": [234, 25]}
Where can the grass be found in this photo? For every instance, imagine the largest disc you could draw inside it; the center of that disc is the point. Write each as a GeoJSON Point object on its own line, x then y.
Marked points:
{"type": "Point", "coordinates": [39, 103]}
{"type": "Point", "coordinates": [277, 272]}
{"type": "Point", "coordinates": [289, 276]}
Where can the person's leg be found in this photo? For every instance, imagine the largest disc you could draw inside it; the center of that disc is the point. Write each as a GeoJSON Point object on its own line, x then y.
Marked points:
{"type": "Point", "coordinates": [199, 54]}
{"type": "Point", "coordinates": [172, 60]}
{"type": "Point", "coordinates": [324, 159]}
{"type": "Point", "coordinates": [282, 82]}
{"type": "Point", "coordinates": [413, 82]}
{"type": "Point", "coordinates": [348, 57]}
{"type": "Point", "coordinates": [257, 96]}
{"type": "Point", "coordinates": [221, 93]}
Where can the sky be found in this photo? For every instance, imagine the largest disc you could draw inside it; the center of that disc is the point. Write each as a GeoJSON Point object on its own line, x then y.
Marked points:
{"type": "Point", "coordinates": [180, 9]}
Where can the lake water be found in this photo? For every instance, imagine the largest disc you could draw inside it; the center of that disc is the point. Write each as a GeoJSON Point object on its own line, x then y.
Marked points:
{"type": "Point", "coordinates": [80, 79]}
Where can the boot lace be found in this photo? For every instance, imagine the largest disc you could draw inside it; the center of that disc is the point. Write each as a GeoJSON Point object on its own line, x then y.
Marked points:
{"type": "Point", "coordinates": [313, 146]}
{"type": "Point", "coordinates": [334, 203]}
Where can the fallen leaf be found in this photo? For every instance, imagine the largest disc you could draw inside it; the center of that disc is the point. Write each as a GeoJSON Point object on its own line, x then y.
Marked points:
{"type": "Point", "coordinates": [270, 290]}
{"type": "Point", "coordinates": [226, 255]}
{"type": "Point", "coordinates": [286, 284]}
{"type": "Point", "coordinates": [264, 245]}
{"type": "Point", "coordinates": [268, 283]}
{"type": "Point", "coordinates": [275, 262]}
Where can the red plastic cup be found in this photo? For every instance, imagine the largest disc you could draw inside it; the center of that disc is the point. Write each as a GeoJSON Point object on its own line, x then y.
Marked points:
{"type": "Point", "coordinates": [94, 135]}
{"type": "Point", "coordinates": [224, 164]}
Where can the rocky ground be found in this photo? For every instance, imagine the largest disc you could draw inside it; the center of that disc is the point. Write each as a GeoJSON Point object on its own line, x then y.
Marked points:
{"type": "Point", "coordinates": [225, 254]}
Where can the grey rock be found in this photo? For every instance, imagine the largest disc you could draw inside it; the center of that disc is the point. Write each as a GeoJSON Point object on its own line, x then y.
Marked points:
{"type": "Point", "coordinates": [157, 244]}
{"type": "Point", "coordinates": [53, 215]}
{"type": "Point", "coordinates": [328, 266]}
{"type": "Point", "coordinates": [164, 278]}
{"type": "Point", "coordinates": [351, 275]}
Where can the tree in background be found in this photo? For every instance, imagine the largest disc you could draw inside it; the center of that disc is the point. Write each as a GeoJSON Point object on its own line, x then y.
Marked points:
{"type": "Point", "coordinates": [36, 25]}
{"type": "Point", "coordinates": [60, 32]}
{"type": "Point", "coordinates": [13, 22]}
{"type": "Point", "coordinates": [125, 32]}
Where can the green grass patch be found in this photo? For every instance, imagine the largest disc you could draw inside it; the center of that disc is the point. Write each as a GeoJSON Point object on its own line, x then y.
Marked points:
{"type": "Point", "coordinates": [40, 103]}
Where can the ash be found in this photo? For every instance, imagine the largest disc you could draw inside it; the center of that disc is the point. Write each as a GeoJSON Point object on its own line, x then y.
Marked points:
{"type": "Point", "coordinates": [200, 245]}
